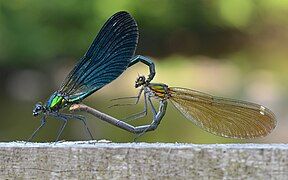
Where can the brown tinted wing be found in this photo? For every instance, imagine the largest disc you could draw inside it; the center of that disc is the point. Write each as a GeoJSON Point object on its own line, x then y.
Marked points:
{"type": "Point", "coordinates": [222, 116]}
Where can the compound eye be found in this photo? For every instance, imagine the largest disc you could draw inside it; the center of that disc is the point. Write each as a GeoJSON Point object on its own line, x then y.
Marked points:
{"type": "Point", "coordinates": [141, 78]}
{"type": "Point", "coordinates": [38, 108]}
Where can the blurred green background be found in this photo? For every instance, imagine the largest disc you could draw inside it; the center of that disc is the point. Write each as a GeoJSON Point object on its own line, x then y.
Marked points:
{"type": "Point", "coordinates": [235, 48]}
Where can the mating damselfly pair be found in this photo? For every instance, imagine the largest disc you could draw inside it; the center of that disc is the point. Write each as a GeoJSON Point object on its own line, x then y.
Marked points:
{"type": "Point", "coordinates": [110, 54]}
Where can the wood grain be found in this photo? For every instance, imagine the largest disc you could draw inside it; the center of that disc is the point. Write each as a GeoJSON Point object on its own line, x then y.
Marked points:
{"type": "Point", "coordinates": [104, 160]}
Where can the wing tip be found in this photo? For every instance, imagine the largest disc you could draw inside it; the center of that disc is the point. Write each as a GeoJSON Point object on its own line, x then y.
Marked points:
{"type": "Point", "coordinates": [244, 135]}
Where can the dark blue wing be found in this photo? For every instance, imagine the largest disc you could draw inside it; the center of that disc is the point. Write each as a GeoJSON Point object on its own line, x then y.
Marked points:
{"type": "Point", "coordinates": [108, 56]}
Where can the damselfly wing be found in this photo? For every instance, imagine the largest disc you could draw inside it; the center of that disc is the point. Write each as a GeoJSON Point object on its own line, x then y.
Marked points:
{"type": "Point", "coordinates": [108, 56]}
{"type": "Point", "coordinates": [223, 116]}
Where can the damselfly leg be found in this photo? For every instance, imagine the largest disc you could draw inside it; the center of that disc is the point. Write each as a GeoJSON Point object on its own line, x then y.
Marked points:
{"type": "Point", "coordinates": [65, 120]}
{"type": "Point", "coordinates": [140, 114]}
{"type": "Point", "coordinates": [157, 117]}
{"type": "Point", "coordinates": [67, 117]}
{"type": "Point", "coordinates": [152, 106]}
{"type": "Point", "coordinates": [136, 115]}
{"type": "Point", "coordinates": [43, 122]}
{"type": "Point", "coordinates": [144, 112]}
{"type": "Point", "coordinates": [127, 104]}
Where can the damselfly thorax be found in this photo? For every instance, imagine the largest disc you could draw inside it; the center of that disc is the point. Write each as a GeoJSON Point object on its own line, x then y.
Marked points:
{"type": "Point", "coordinates": [157, 90]}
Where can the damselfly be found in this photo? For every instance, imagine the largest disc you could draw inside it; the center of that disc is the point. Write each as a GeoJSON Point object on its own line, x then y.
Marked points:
{"type": "Point", "coordinates": [220, 116]}
{"type": "Point", "coordinates": [111, 52]}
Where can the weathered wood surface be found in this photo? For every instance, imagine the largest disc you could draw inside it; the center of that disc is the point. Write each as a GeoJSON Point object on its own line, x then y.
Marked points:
{"type": "Point", "coordinates": [92, 159]}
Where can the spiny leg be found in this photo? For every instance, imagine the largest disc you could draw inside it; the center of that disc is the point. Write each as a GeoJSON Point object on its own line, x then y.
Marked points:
{"type": "Point", "coordinates": [120, 98]}
{"type": "Point", "coordinates": [154, 112]}
{"type": "Point", "coordinates": [83, 119]}
{"type": "Point", "coordinates": [153, 122]}
{"type": "Point", "coordinates": [140, 114]}
{"type": "Point", "coordinates": [117, 105]}
{"type": "Point", "coordinates": [80, 118]}
{"type": "Point", "coordinates": [65, 120]}
{"type": "Point", "coordinates": [128, 104]}
{"type": "Point", "coordinates": [123, 104]}
{"type": "Point", "coordinates": [43, 122]}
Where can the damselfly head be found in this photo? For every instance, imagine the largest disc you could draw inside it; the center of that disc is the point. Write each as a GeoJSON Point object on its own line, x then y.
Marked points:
{"type": "Point", "coordinates": [141, 80]}
{"type": "Point", "coordinates": [37, 109]}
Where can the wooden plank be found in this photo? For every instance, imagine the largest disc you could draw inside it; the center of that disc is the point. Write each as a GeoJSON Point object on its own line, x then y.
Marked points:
{"type": "Point", "coordinates": [103, 160]}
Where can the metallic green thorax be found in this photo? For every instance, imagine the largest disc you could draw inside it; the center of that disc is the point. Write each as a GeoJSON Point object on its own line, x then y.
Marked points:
{"type": "Point", "coordinates": [56, 102]}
